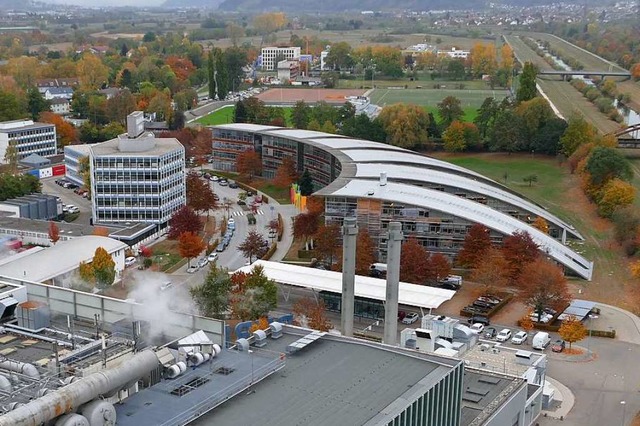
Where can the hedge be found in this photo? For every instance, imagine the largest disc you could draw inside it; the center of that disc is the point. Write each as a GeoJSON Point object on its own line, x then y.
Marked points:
{"type": "Point", "coordinates": [270, 252]}
{"type": "Point", "coordinates": [505, 296]}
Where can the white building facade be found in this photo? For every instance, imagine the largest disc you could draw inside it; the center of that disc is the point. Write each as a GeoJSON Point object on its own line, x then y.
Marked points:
{"type": "Point", "coordinates": [272, 55]}
{"type": "Point", "coordinates": [73, 154]}
{"type": "Point", "coordinates": [28, 137]}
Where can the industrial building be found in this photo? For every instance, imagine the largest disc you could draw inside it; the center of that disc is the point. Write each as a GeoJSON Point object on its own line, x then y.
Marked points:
{"type": "Point", "coordinates": [272, 55]}
{"type": "Point", "coordinates": [28, 137]}
{"type": "Point", "coordinates": [33, 206]}
{"type": "Point", "coordinates": [435, 201]}
{"type": "Point", "coordinates": [135, 178]}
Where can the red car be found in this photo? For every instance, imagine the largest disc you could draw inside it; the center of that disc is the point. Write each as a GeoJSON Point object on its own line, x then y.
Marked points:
{"type": "Point", "coordinates": [558, 346]}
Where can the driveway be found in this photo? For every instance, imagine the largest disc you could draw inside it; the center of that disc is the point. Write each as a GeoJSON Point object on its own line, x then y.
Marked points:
{"type": "Point", "coordinates": [67, 196]}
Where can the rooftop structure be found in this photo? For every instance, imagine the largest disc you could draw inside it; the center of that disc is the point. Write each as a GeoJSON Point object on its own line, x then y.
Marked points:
{"type": "Point", "coordinates": [371, 288]}
{"type": "Point", "coordinates": [55, 263]}
{"type": "Point", "coordinates": [437, 202]}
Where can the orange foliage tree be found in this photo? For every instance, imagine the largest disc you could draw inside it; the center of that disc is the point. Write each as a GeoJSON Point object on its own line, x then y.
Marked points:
{"type": "Point", "coordinates": [64, 130]}
{"type": "Point", "coordinates": [483, 59]}
{"type": "Point", "coordinates": [541, 225]}
{"type": "Point", "coordinates": [526, 323]}
{"type": "Point", "coordinates": [572, 330]}
{"type": "Point", "coordinates": [190, 245]}
{"type": "Point", "coordinates": [327, 242]}
{"type": "Point", "coordinates": [476, 244]}
{"type": "Point", "coordinates": [286, 173]}
{"type": "Point", "coordinates": [615, 194]}
{"type": "Point", "coordinates": [491, 273]}
{"type": "Point", "coordinates": [365, 253]}
{"type": "Point", "coordinates": [438, 267]}
{"type": "Point", "coordinates": [311, 314]}
{"type": "Point", "coordinates": [543, 285]}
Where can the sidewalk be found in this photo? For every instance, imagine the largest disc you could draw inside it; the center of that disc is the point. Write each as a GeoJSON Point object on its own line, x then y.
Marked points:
{"type": "Point", "coordinates": [563, 400]}
{"type": "Point", "coordinates": [625, 323]}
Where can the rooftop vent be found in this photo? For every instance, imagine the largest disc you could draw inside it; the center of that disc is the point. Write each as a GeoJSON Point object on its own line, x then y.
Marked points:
{"type": "Point", "coordinates": [276, 330]}
{"type": "Point", "coordinates": [260, 338]}
{"type": "Point", "coordinates": [383, 178]}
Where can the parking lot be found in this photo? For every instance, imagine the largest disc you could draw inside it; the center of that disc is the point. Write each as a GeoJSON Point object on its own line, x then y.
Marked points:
{"type": "Point", "coordinates": [68, 197]}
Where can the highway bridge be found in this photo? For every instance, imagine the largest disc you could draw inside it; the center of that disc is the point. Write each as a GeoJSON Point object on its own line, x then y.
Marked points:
{"type": "Point", "coordinates": [602, 74]}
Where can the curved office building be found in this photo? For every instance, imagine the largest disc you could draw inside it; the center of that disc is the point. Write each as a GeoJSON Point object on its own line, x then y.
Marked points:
{"type": "Point", "coordinates": [437, 202]}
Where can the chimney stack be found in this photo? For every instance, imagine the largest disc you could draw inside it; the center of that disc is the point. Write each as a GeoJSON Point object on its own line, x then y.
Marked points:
{"type": "Point", "coordinates": [394, 245]}
{"type": "Point", "coordinates": [349, 237]}
{"type": "Point", "coordinates": [383, 178]}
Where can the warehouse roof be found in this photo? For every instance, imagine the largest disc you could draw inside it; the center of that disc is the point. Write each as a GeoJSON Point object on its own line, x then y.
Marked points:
{"type": "Point", "coordinates": [372, 288]}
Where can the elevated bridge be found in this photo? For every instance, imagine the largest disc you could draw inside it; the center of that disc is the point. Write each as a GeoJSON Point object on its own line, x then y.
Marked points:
{"type": "Point", "coordinates": [628, 137]}
{"type": "Point", "coordinates": [602, 74]}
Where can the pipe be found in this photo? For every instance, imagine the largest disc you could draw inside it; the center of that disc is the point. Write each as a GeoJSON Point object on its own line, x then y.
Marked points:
{"type": "Point", "coordinates": [18, 330]}
{"type": "Point", "coordinates": [5, 384]}
{"type": "Point", "coordinates": [69, 398]}
{"type": "Point", "coordinates": [20, 367]}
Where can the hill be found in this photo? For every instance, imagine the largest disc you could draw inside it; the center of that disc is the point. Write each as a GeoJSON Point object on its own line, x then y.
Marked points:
{"type": "Point", "coordinates": [207, 4]}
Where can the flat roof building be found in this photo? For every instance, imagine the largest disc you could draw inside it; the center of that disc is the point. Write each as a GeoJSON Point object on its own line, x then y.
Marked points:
{"type": "Point", "coordinates": [437, 202]}
{"type": "Point", "coordinates": [29, 138]}
{"type": "Point", "coordinates": [272, 55]}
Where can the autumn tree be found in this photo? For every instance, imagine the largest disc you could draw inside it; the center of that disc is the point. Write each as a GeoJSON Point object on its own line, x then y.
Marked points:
{"type": "Point", "coordinates": [200, 197]}
{"type": "Point", "coordinates": [526, 323]}
{"type": "Point", "coordinates": [543, 285]}
{"type": "Point", "coordinates": [615, 194]}
{"type": "Point", "coordinates": [476, 243]}
{"type": "Point", "coordinates": [190, 245]}
{"type": "Point", "coordinates": [450, 110]}
{"type": "Point", "coordinates": [312, 314]}
{"type": "Point", "coordinates": [104, 268]}
{"type": "Point", "coordinates": [92, 72]}
{"type": "Point", "coordinates": [541, 225]}
{"type": "Point", "coordinates": [365, 252]}
{"type": "Point", "coordinates": [253, 245]}
{"type": "Point", "coordinates": [65, 131]}
{"type": "Point", "coordinates": [438, 267]}
{"type": "Point", "coordinates": [413, 262]}
{"type": "Point", "coordinates": [249, 164]}
{"type": "Point", "coordinates": [460, 136]}
{"type": "Point", "coordinates": [578, 132]}
{"type": "Point", "coordinates": [519, 250]}
{"type": "Point", "coordinates": [286, 173]}
{"type": "Point", "coordinates": [327, 242]}
{"type": "Point", "coordinates": [253, 295]}
{"type": "Point", "coordinates": [305, 226]}
{"type": "Point", "coordinates": [483, 59]}
{"type": "Point", "coordinates": [184, 220]}
{"type": "Point", "coordinates": [405, 125]}
{"type": "Point", "coordinates": [491, 272]}
{"type": "Point", "coordinates": [212, 297]}
{"type": "Point", "coordinates": [268, 23]}
{"type": "Point", "coordinates": [572, 330]}
{"type": "Point", "coordinates": [54, 232]}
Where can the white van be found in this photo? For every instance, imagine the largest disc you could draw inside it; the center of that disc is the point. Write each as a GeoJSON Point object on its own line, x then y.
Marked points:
{"type": "Point", "coordinates": [541, 340]}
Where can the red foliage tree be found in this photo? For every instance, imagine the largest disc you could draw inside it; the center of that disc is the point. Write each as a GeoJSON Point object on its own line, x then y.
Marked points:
{"type": "Point", "coordinates": [54, 232]}
{"type": "Point", "coordinates": [413, 262]}
{"type": "Point", "coordinates": [312, 314]}
{"type": "Point", "coordinates": [327, 241]}
{"type": "Point", "coordinates": [249, 164]}
{"type": "Point", "coordinates": [365, 252]}
{"type": "Point", "coordinates": [519, 250]}
{"type": "Point", "coordinates": [315, 205]}
{"type": "Point", "coordinates": [253, 245]}
{"type": "Point", "coordinates": [286, 173]}
{"type": "Point", "coordinates": [476, 244]}
{"type": "Point", "coordinates": [184, 220]}
{"type": "Point", "coordinates": [181, 67]}
{"type": "Point", "coordinates": [492, 272]}
{"type": "Point", "coordinates": [438, 267]}
{"type": "Point", "coordinates": [200, 197]}
{"type": "Point", "coordinates": [543, 285]}
{"type": "Point", "coordinates": [305, 225]}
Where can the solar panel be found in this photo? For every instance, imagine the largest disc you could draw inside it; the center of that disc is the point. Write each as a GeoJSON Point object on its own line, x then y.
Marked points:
{"type": "Point", "coordinates": [305, 341]}
{"type": "Point", "coordinates": [471, 397]}
{"type": "Point", "coordinates": [477, 391]}
{"type": "Point", "coordinates": [490, 380]}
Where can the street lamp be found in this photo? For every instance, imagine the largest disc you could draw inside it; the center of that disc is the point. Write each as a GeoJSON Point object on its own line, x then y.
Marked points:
{"type": "Point", "coordinates": [251, 356]}
{"type": "Point", "coordinates": [624, 412]}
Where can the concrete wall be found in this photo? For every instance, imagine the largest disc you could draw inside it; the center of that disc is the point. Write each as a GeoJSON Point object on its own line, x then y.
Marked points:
{"type": "Point", "coordinates": [512, 412]}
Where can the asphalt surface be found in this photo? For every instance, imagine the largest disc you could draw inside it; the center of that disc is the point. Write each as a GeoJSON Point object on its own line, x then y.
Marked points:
{"type": "Point", "coordinates": [67, 196]}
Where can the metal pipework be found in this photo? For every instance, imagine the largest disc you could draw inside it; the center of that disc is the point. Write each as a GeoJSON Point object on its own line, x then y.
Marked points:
{"type": "Point", "coordinates": [349, 238]}
{"type": "Point", "coordinates": [394, 245]}
{"type": "Point", "coordinates": [69, 398]}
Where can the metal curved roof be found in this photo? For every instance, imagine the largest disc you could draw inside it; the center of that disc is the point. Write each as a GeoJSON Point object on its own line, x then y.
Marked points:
{"type": "Point", "coordinates": [412, 173]}
{"type": "Point", "coordinates": [469, 210]}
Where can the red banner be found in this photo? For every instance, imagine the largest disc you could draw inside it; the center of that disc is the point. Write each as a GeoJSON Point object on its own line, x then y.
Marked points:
{"type": "Point", "coordinates": [59, 170]}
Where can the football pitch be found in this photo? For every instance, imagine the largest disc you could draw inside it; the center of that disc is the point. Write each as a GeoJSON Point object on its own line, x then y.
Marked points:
{"type": "Point", "coordinates": [431, 97]}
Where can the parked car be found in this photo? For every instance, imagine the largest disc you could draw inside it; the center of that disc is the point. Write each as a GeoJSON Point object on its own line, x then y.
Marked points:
{"type": "Point", "coordinates": [73, 209]}
{"type": "Point", "coordinates": [410, 318]}
{"type": "Point", "coordinates": [558, 345]}
{"type": "Point", "coordinates": [216, 197]}
{"type": "Point", "coordinates": [541, 340]}
{"type": "Point", "coordinates": [223, 183]}
{"type": "Point", "coordinates": [477, 328]}
{"type": "Point", "coordinates": [166, 286]}
{"type": "Point", "coordinates": [192, 269]}
{"type": "Point", "coordinates": [490, 333]}
{"type": "Point", "coordinates": [212, 257]}
{"type": "Point", "coordinates": [249, 193]}
{"type": "Point", "coordinates": [230, 221]}
{"type": "Point", "coordinates": [519, 338]}
{"type": "Point", "coordinates": [273, 234]}
{"type": "Point", "coordinates": [242, 203]}
{"type": "Point", "coordinates": [479, 319]}
{"type": "Point", "coordinates": [504, 335]}
{"type": "Point", "coordinates": [233, 185]}
{"type": "Point", "coordinates": [202, 262]}
{"type": "Point", "coordinates": [214, 178]}
{"type": "Point", "coordinates": [129, 261]}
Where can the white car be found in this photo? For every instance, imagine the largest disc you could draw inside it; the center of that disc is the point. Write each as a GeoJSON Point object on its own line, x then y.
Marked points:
{"type": "Point", "coordinates": [477, 328]}
{"type": "Point", "coordinates": [273, 234]}
{"type": "Point", "coordinates": [504, 335]}
{"type": "Point", "coordinates": [214, 178]}
{"type": "Point", "coordinates": [203, 262]}
{"type": "Point", "coordinates": [192, 269]}
{"type": "Point", "coordinates": [410, 318]}
{"type": "Point", "coordinates": [129, 261]}
{"type": "Point", "coordinates": [231, 220]}
{"type": "Point", "coordinates": [166, 286]}
{"type": "Point", "coordinates": [212, 257]}
{"type": "Point", "coordinates": [519, 338]}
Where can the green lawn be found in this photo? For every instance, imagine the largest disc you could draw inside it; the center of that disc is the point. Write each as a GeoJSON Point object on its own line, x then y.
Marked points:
{"type": "Point", "coordinates": [225, 115]}
{"type": "Point", "coordinates": [470, 113]}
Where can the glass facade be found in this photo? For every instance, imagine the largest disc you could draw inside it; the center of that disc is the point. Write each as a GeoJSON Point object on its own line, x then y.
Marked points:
{"type": "Point", "coordinates": [363, 307]}
{"type": "Point", "coordinates": [227, 144]}
{"type": "Point", "coordinates": [136, 188]}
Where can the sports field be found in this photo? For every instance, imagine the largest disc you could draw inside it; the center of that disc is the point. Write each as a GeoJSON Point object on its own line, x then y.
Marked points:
{"type": "Point", "coordinates": [225, 115]}
{"type": "Point", "coordinates": [431, 97]}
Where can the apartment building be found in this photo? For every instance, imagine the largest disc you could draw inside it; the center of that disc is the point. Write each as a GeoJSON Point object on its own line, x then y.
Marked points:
{"type": "Point", "coordinates": [272, 55]}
